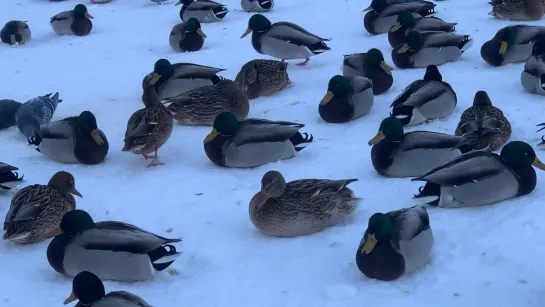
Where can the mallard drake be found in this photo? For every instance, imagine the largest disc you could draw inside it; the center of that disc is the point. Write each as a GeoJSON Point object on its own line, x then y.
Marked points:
{"type": "Point", "coordinates": [199, 107]}
{"type": "Point", "coordinates": [75, 139]}
{"type": "Point", "coordinates": [395, 243]}
{"type": "Point", "coordinates": [422, 49]}
{"type": "Point", "coordinates": [252, 142]}
{"type": "Point", "coordinates": [15, 33]}
{"type": "Point", "coordinates": [396, 154]}
{"type": "Point", "coordinates": [370, 65]}
{"type": "Point", "coordinates": [262, 78]}
{"type": "Point", "coordinates": [533, 75]}
{"type": "Point", "coordinates": [205, 11]}
{"type": "Point", "coordinates": [519, 10]}
{"type": "Point", "coordinates": [424, 100]}
{"type": "Point", "coordinates": [406, 21]}
{"type": "Point", "coordinates": [8, 108]}
{"type": "Point", "coordinates": [258, 6]}
{"type": "Point", "coordinates": [346, 99]}
{"type": "Point", "coordinates": [8, 178]}
{"type": "Point", "coordinates": [35, 112]}
{"type": "Point", "coordinates": [75, 22]}
{"type": "Point", "coordinates": [178, 78]}
{"type": "Point", "coordinates": [512, 44]}
{"type": "Point", "coordinates": [111, 250]}
{"type": "Point", "coordinates": [382, 14]}
{"type": "Point", "coordinates": [300, 207]}
{"type": "Point", "coordinates": [482, 178]}
{"type": "Point", "coordinates": [89, 290]}
{"type": "Point", "coordinates": [187, 36]}
{"type": "Point", "coordinates": [284, 40]}
{"type": "Point", "coordinates": [484, 124]}
{"type": "Point", "coordinates": [37, 210]}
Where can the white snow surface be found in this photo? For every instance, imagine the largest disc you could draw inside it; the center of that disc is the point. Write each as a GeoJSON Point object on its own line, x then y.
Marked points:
{"type": "Point", "coordinates": [482, 256]}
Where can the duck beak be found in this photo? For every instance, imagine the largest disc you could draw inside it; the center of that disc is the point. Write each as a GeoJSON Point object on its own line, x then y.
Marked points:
{"type": "Point", "coordinates": [155, 78]}
{"type": "Point", "coordinates": [327, 98]}
{"type": "Point", "coordinates": [385, 67]}
{"type": "Point", "coordinates": [403, 48]}
{"type": "Point", "coordinates": [53, 233]}
{"type": "Point", "coordinates": [503, 47]}
{"type": "Point", "coordinates": [88, 15]}
{"type": "Point", "coordinates": [76, 192]}
{"type": "Point", "coordinates": [12, 39]}
{"type": "Point", "coordinates": [201, 33]}
{"type": "Point", "coordinates": [369, 244]}
{"type": "Point", "coordinates": [70, 299]}
{"type": "Point", "coordinates": [211, 136]}
{"type": "Point", "coordinates": [368, 8]}
{"type": "Point", "coordinates": [178, 3]}
{"type": "Point", "coordinates": [379, 137]}
{"type": "Point", "coordinates": [396, 27]}
{"type": "Point", "coordinates": [96, 137]}
{"type": "Point", "coordinates": [248, 31]}
{"type": "Point", "coordinates": [537, 163]}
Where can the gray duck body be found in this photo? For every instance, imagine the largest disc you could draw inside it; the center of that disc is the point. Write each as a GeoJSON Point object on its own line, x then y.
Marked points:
{"type": "Point", "coordinates": [258, 6]}
{"type": "Point", "coordinates": [378, 22]}
{"type": "Point", "coordinates": [519, 50]}
{"type": "Point", "coordinates": [15, 33]}
{"type": "Point", "coordinates": [35, 112]}
{"type": "Point", "coordinates": [351, 105]}
{"type": "Point", "coordinates": [262, 78]}
{"type": "Point", "coordinates": [204, 11]}
{"type": "Point", "coordinates": [8, 108]}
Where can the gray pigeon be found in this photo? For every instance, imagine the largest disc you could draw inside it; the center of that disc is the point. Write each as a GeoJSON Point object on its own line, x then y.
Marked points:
{"type": "Point", "coordinates": [35, 112]}
{"type": "Point", "coordinates": [8, 108]}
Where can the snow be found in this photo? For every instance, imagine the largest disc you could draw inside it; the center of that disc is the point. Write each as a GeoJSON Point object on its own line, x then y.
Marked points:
{"type": "Point", "coordinates": [490, 255]}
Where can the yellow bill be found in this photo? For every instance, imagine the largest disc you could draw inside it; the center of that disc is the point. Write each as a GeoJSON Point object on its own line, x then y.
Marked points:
{"type": "Point", "coordinates": [201, 33]}
{"type": "Point", "coordinates": [88, 15]}
{"type": "Point", "coordinates": [379, 137]}
{"type": "Point", "coordinates": [370, 244]}
{"type": "Point", "coordinates": [385, 67]}
{"type": "Point", "coordinates": [403, 48]}
{"type": "Point", "coordinates": [327, 98]}
{"type": "Point", "coordinates": [12, 39]}
{"type": "Point", "coordinates": [96, 137]}
{"type": "Point", "coordinates": [155, 78]}
{"type": "Point", "coordinates": [211, 136]}
{"type": "Point", "coordinates": [503, 47]}
{"type": "Point", "coordinates": [396, 27]}
{"type": "Point", "coordinates": [537, 163]}
{"type": "Point", "coordinates": [70, 299]}
{"type": "Point", "coordinates": [248, 31]}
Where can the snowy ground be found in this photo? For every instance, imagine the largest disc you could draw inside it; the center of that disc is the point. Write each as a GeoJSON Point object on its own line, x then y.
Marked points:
{"type": "Point", "coordinates": [488, 255]}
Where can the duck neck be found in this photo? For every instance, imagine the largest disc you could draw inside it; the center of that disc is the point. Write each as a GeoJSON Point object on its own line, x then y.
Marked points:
{"type": "Point", "coordinates": [149, 97]}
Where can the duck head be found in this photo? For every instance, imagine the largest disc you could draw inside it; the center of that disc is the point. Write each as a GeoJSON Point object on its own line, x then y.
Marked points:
{"type": "Point", "coordinates": [65, 183]}
{"type": "Point", "coordinates": [405, 19]}
{"type": "Point", "coordinates": [75, 222]}
{"type": "Point", "coordinates": [258, 23]}
{"type": "Point", "coordinates": [391, 130]}
{"type": "Point", "coordinates": [433, 74]}
{"type": "Point", "coordinates": [80, 10]}
{"type": "Point", "coordinates": [225, 124]}
{"type": "Point", "coordinates": [162, 69]}
{"type": "Point", "coordinates": [539, 47]}
{"type": "Point", "coordinates": [379, 229]}
{"type": "Point", "coordinates": [273, 184]}
{"type": "Point", "coordinates": [193, 25]}
{"type": "Point", "coordinates": [507, 37]}
{"type": "Point", "coordinates": [87, 288]}
{"type": "Point", "coordinates": [87, 123]}
{"type": "Point", "coordinates": [375, 59]}
{"type": "Point", "coordinates": [414, 42]}
{"type": "Point", "coordinates": [521, 154]}
{"type": "Point", "coordinates": [338, 85]}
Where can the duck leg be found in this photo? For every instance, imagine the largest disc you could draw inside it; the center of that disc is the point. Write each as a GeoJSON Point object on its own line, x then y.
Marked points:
{"type": "Point", "coordinates": [303, 63]}
{"type": "Point", "coordinates": [155, 159]}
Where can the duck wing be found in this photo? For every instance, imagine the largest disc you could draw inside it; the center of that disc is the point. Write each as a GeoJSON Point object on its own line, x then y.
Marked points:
{"type": "Point", "coordinates": [27, 204]}
{"type": "Point", "coordinates": [441, 39]}
{"type": "Point", "coordinates": [62, 16]}
{"type": "Point", "coordinates": [61, 129]}
{"type": "Point", "coordinates": [193, 71]}
{"type": "Point", "coordinates": [413, 6]}
{"type": "Point", "coordinates": [253, 130]}
{"type": "Point", "coordinates": [430, 140]}
{"type": "Point", "coordinates": [203, 5]}
{"type": "Point", "coordinates": [121, 299]}
{"type": "Point", "coordinates": [412, 88]}
{"type": "Point", "coordinates": [421, 93]}
{"type": "Point", "coordinates": [294, 34]}
{"type": "Point", "coordinates": [409, 222]}
{"type": "Point", "coordinates": [526, 34]}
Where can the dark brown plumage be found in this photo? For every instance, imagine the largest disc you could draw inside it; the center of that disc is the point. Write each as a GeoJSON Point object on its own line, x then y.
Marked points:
{"type": "Point", "coordinates": [262, 78]}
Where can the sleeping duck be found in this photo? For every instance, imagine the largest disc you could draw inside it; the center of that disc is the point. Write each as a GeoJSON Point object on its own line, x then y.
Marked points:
{"type": "Point", "coordinates": [205, 11]}
{"type": "Point", "coordinates": [519, 10]}
{"type": "Point", "coordinates": [284, 40]}
{"type": "Point", "coordinates": [8, 177]}
{"type": "Point", "coordinates": [512, 44]}
{"type": "Point", "coordinates": [382, 14]}
{"type": "Point", "coordinates": [482, 178]}
{"type": "Point", "coordinates": [406, 21]}
{"type": "Point", "coordinates": [395, 243]}
{"type": "Point", "coordinates": [74, 22]}
{"type": "Point", "coordinates": [370, 65]}
{"type": "Point", "coordinates": [346, 99]}
{"type": "Point", "coordinates": [258, 6]}
{"type": "Point", "coordinates": [396, 154]}
{"type": "Point", "coordinates": [111, 250]}
{"type": "Point", "coordinates": [15, 33]}
{"type": "Point", "coordinates": [262, 78]}
{"type": "Point", "coordinates": [422, 49]}
{"type": "Point", "coordinates": [424, 100]}
{"type": "Point", "coordinates": [252, 142]}
{"type": "Point", "coordinates": [484, 124]}
{"type": "Point", "coordinates": [533, 75]}
{"type": "Point", "coordinates": [187, 36]}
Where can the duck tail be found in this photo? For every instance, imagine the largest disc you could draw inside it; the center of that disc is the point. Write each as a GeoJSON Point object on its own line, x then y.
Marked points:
{"type": "Point", "coordinates": [220, 12]}
{"type": "Point", "coordinates": [542, 141]}
{"type": "Point", "coordinates": [429, 190]}
{"type": "Point", "coordinates": [10, 180]}
{"type": "Point", "coordinates": [466, 43]}
{"type": "Point", "coordinates": [162, 257]}
{"type": "Point", "coordinates": [542, 125]}
{"type": "Point", "coordinates": [300, 142]}
{"type": "Point", "coordinates": [319, 47]}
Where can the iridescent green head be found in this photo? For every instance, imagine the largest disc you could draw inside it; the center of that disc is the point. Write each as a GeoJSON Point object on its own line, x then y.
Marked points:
{"type": "Point", "coordinates": [225, 124]}
{"type": "Point", "coordinates": [391, 129]}
{"type": "Point", "coordinates": [379, 229]}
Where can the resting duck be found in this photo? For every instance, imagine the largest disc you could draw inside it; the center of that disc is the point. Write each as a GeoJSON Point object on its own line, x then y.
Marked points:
{"type": "Point", "coordinates": [346, 99]}
{"type": "Point", "coordinates": [533, 76]}
{"type": "Point", "coordinates": [35, 112]}
{"type": "Point", "coordinates": [258, 6]}
{"type": "Point", "coordinates": [512, 44]}
{"type": "Point", "coordinates": [8, 109]}
{"type": "Point", "coordinates": [370, 65]}
{"type": "Point", "coordinates": [205, 11]}
{"type": "Point", "coordinates": [74, 22]}
{"type": "Point", "coordinates": [262, 78]}
{"type": "Point", "coordinates": [519, 10]}
{"type": "Point", "coordinates": [406, 22]}
{"type": "Point", "coordinates": [15, 33]}
{"type": "Point", "coordinates": [382, 14]}
{"type": "Point", "coordinates": [8, 178]}
{"type": "Point", "coordinates": [187, 36]}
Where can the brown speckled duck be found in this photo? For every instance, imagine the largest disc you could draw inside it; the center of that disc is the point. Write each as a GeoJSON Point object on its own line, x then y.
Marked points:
{"type": "Point", "coordinates": [262, 78]}
{"type": "Point", "coordinates": [517, 10]}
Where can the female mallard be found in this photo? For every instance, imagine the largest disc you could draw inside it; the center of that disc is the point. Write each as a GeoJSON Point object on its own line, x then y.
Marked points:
{"type": "Point", "coordinates": [284, 40]}
{"type": "Point", "coordinates": [89, 290]}
{"type": "Point", "coordinates": [199, 107]}
{"type": "Point", "coordinates": [482, 178]}
{"type": "Point", "coordinates": [346, 99]}
{"type": "Point", "coordinates": [512, 44]}
{"type": "Point", "coordinates": [395, 243]}
{"type": "Point", "coordinates": [37, 210]}
{"type": "Point", "coordinates": [533, 76]}
{"type": "Point", "coordinates": [187, 36]}
{"type": "Point", "coordinates": [300, 207]}
{"type": "Point", "coordinates": [75, 139]}
{"type": "Point", "coordinates": [262, 78]}
{"type": "Point", "coordinates": [424, 100]}
{"type": "Point", "coordinates": [252, 142]}
{"type": "Point", "coordinates": [111, 250]}
{"type": "Point", "coordinates": [370, 65]}
{"type": "Point", "coordinates": [422, 49]}
{"type": "Point", "coordinates": [382, 14]}
{"type": "Point", "coordinates": [74, 22]}
{"type": "Point", "coordinates": [149, 128]}
{"type": "Point", "coordinates": [518, 10]}
{"type": "Point", "coordinates": [8, 178]}
{"type": "Point", "coordinates": [406, 22]}
{"type": "Point", "coordinates": [397, 155]}
{"type": "Point", "coordinates": [8, 109]}
{"type": "Point", "coordinates": [175, 79]}
{"type": "Point", "coordinates": [205, 11]}
{"type": "Point", "coordinates": [258, 6]}
{"type": "Point", "coordinates": [484, 124]}
{"type": "Point", "coordinates": [15, 33]}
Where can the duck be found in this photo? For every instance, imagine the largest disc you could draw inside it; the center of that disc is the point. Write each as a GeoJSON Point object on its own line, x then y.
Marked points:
{"type": "Point", "coordinates": [484, 123]}
{"type": "Point", "coordinates": [262, 78]}
{"type": "Point", "coordinates": [418, 48]}
{"type": "Point", "coordinates": [199, 107]}
{"type": "Point", "coordinates": [512, 44]}
{"type": "Point", "coordinates": [395, 243]}
{"type": "Point", "coordinates": [258, 6]}
{"type": "Point", "coordinates": [111, 250]}
{"type": "Point", "coordinates": [370, 65]}
{"type": "Point", "coordinates": [187, 36]}
{"type": "Point", "coordinates": [300, 207]}
{"type": "Point", "coordinates": [178, 78]}
{"type": "Point", "coordinates": [8, 108]}
{"type": "Point", "coordinates": [205, 11]}
{"type": "Point", "coordinates": [284, 40]}
{"type": "Point", "coordinates": [149, 128]}
{"type": "Point", "coordinates": [252, 142]}
{"type": "Point", "coordinates": [346, 99]}
{"type": "Point", "coordinates": [35, 112]}
{"type": "Point", "coordinates": [517, 10]}
{"type": "Point", "coordinates": [74, 22]}
{"type": "Point", "coordinates": [36, 210]}
{"type": "Point", "coordinates": [398, 155]}
{"type": "Point", "coordinates": [75, 139]}
{"type": "Point", "coordinates": [425, 100]}
{"type": "Point", "coordinates": [15, 33]}
{"type": "Point", "coordinates": [382, 15]}
{"type": "Point", "coordinates": [406, 21]}
{"type": "Point", "coordinates": [89, 290]}
{"type": "Point", "coordinates": [9, 178]}
{"type": "Point", "coordinates": [482, 178]}
{"type": "Point", "coordinates": [532, 77]}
